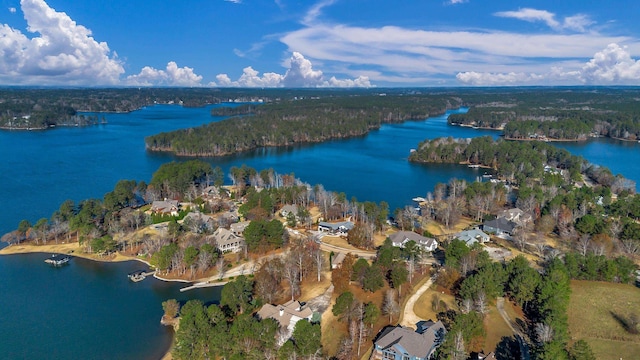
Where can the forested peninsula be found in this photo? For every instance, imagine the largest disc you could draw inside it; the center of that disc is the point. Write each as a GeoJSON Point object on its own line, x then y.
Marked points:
{"type": "Point", "coordinates": [556, 114]}
{"type": "Point", "coordinates": [298, 121]}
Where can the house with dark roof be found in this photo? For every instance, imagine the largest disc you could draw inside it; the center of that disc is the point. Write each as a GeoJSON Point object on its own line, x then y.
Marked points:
{"type": "Point", "coordinates": [500, 226]}
{"type": "Point", "coordinates": [400, 238]}
{"type": "Point", "coordinates": [404, 343]}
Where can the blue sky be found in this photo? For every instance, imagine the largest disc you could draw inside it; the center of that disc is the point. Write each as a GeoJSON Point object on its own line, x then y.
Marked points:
{"type": "Point", "coordinates": [339, 43]}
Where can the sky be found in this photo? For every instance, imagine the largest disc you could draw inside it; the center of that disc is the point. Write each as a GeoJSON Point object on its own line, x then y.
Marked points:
{"type": "Point", "coordinates": [325, 43]}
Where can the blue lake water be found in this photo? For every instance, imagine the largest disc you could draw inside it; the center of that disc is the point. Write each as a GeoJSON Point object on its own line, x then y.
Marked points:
{"type": "Point", "coordinates": [91, 310]}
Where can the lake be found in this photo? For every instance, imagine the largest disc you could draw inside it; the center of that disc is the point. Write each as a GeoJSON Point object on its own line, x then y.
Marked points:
{"type": "Point", "coordinates": [91, 310]}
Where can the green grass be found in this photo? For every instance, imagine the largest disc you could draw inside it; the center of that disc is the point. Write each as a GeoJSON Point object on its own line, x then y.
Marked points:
{"type": "Point", "coordinates": [595, 310]}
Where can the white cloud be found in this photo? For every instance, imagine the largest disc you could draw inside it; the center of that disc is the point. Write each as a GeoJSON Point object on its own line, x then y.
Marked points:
{"type": "Point", "coordinates": [454, 2]}
{"type": "Point", "coordinates": [62, 52]}
{"type": "Point", "coordinates": [12, 10]}
{"type": "Point", "coordinates": [234, 1]}
{"type": "Point", "coordinates": [577, 22]}
{"type": "Point", "coordinates": [171, 76]}
{"type": "Point", "coordinates": [395, 54]}
{"type": "Point", "coordinates": [299, 74]}
{"type": "Point", "coordinates": [611, 66]}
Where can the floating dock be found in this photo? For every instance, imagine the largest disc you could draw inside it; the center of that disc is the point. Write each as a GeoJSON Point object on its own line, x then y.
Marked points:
{"type": "Point", "coordinates": [139, 275]}
{"type": "Point", "coordinates": [56, 260]}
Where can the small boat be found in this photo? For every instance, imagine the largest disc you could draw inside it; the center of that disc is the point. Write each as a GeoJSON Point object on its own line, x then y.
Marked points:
{"type": "Point", "coordinates": [137, 276]}
{"type": "Point", "coordinates": [57, 261]}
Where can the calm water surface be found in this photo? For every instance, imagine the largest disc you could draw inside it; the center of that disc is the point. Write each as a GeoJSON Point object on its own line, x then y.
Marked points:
{"type": "Point", "coordinates": [91, 310]}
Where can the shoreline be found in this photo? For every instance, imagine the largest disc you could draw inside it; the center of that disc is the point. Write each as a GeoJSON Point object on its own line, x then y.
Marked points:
{"type": "Point", "coordinates": [547, 139]}
{"type": "Point", "coordinates": [74, 249]}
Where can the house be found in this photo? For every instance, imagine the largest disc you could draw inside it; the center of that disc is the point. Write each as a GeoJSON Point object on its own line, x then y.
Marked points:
{"type": "Point", "coordinates": [199, 219]}
{"type": "Point", "coordinates": [165, 207]}
{"type": "Point", "coordinates": [287, 315]}
{"type": "Point", "coordinates": [238, 228]}
{"type": "Point", "coordinates": [336, 261]}
{"type": "Point", "coordinates": [516, 215]}
{"type": "Point", "coordinates": [489, 356]}
{"type": "Point", "coordinates": [227, 241]}
{"type": "Point", "coordinates": [211, 192]}
{"type": "Point", "coordinates": [404, 343]}
{"type": "Point", "coordinates": [400, 238]}
{"type": "Point", "coordinates": [289, 209]}
{"type": "Point", "coordinates": [499, 226]}
{"type": "Point", "coordinates": [339, 228]}
{"type": "Point", "coordinates": [472, 236]}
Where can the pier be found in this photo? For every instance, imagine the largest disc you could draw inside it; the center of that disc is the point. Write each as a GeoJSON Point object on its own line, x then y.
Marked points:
{"type": "Point", "coordinates": [139, 275]}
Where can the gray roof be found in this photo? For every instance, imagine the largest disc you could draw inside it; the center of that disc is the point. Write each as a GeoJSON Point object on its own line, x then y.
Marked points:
{"type": "Point", "coordinates": [223, 237]}
{"type": "Point", "coordinates": [472, 236]}
{"type": "Point", "coordinates": [404, 340]}
{"type": "Point", "coordinates": [283, 313]}
{"type": "Point", "coordinates": [348, 225]}
{"type": "Point", "coordinates": [500, 223]}
{"type": "Point", "coordinates": [399, 239]}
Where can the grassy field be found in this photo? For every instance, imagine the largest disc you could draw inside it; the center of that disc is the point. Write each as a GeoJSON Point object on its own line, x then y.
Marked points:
{"type": "Point", "coordinates": [424, 307]}
{"type": "Point", "coordinates": [496, 329]}
{"type": "Point", "coordinates": [597, 311]}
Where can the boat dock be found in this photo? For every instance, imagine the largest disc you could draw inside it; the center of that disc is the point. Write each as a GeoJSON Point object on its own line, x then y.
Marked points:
{"type": "Point", "coordinates": [203, 284]}
{"type": "Point", "coordinates": [56, 260]}
{"type": "Point", "coordinates": [139, 275]}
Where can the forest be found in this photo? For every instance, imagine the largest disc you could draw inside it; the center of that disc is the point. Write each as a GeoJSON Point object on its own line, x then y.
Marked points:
{"type": "Point", "coordinates": [555, 113]}
{"type": "Point", "coordinates": [298, 121]}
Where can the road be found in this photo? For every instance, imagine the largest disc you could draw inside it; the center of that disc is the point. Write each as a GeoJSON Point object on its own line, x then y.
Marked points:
{"type": "Point", "coordinates": [409, 317]}
{"type": "Point", "coordinates": [524, 347]}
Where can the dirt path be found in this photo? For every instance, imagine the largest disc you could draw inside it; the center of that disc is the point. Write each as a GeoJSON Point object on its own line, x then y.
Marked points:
{"type": "Point", "coordinates": [409, 317]}
{"type": "Point", "coordinates": [524, 347]}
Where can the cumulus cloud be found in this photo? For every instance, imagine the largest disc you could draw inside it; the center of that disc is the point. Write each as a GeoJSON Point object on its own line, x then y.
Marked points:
{"type": "Point", "coordinates": [12, 10]}
{"type": "Point", "coordinates": [61, 52]}
{"type": "Point", "coordinates": [396, 54]}
{"type": "Point", "coordinates": [171, 76]}
{"type": "Point", "coordinates": [611, 66]}
{"type": "Point", "coordinates": [299, 74]}
{"type": "Point", "coordinates": [576, 22]}
{"type": "Point", "coordinates": [454, 2]}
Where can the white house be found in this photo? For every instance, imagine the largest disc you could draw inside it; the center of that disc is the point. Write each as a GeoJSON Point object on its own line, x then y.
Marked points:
{"type": "Point", "coordinates": [339, 228]}
{"type": "Point", "coordinates": [165, 207]}
{"type": "Point", "coordinates": [400, 238]}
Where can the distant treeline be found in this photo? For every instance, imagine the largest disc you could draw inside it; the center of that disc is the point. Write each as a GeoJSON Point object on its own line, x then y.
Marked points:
{"type": "Point", "coordinates": [556, 114]}
{"type": "Point", "coordinates": [512, 160]}
{"type": "Point", "coordinates": [296, 121]}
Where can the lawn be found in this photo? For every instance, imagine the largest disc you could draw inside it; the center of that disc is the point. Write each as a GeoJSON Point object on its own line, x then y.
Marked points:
{"type": "Point", "coordinates": [596, 313]}
{"type": "Point", "coordinates": [425, 309]}
{"type": "Point", "coordinates": [496, 329]}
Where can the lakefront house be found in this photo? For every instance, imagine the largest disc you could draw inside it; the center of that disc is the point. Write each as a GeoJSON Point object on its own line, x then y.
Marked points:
{"type": "Point", "coordinates": [404, 343]}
